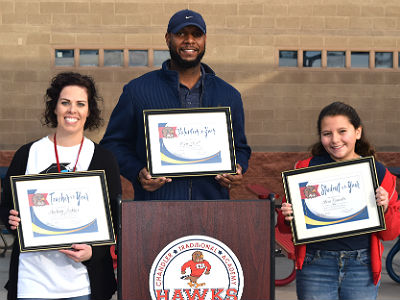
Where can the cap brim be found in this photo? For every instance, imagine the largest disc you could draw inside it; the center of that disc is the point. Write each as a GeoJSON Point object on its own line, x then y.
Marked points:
{"type": "Point", "coordinates": [176, 29]}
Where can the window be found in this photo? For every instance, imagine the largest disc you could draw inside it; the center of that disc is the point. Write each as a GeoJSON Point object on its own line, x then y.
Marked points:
{"type": "Point", "coordinates": [360, 59]}
{"type": "Point", "coordinates": [110, 57]}
{"type": "Point", "coordinates": [64, 58]}
{"type": "Point", "coordinates": [312, 59]}
{"type": "Point", "coordinates": [384, 60]}
{"type": "Point", "coordinates": [138, 58]}
{"type": "Point", "coordinates": [346, 59]}
{"type": "Point", "coordinates": [336, 59]}
{"type": "Point", "coordinates": [89, 58]}
{"type": "Point", "coordinates": [288, 58]}
{"type": "Point", "coordinates": [160, 56]}
{"type": "Point", "coordinates": [113, 58]}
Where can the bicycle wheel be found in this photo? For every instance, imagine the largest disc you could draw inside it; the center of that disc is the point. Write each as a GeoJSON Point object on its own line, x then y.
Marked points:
{"type": "Point", "coordinates": [393, 262]}
{"type": "Point", "coordinates": [285, 271]}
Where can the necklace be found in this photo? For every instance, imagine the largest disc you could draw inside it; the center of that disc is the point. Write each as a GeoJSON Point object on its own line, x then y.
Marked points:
{"type": "Point", "coordinates": [56, 152]}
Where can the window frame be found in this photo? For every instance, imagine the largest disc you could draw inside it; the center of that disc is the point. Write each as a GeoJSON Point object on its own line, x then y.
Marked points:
{"type": "Point", "coordinates": [150, 60]}
{"type": "Point", "coordinates": [348, 52]}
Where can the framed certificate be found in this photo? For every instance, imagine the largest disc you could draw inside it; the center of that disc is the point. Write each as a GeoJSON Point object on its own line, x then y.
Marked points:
{"type": "Point", "coordinates": [61, 209]}
{"type": "Point", "coordinates": [333, 200]}
{"type": "Point", "coordinates": [189, 142]}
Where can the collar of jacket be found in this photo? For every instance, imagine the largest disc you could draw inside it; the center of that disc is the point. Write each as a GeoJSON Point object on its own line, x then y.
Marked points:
{"type": "Point", "coordinates": [173, 78]}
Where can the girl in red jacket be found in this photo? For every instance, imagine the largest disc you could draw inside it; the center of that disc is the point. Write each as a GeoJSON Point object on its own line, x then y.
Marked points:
{"type": "Point", "coordinates": [344, 268]}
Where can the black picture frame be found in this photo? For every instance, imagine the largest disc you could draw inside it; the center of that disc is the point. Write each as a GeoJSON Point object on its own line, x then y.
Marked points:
{"type": "Point", "coordinates": [333, 200]}
{"type": "Point", "coordinates": [61, 209]}
{"type": "Point", "coordinates": [189, 142]}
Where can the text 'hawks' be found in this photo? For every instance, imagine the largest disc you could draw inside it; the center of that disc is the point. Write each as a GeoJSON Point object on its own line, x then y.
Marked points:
{"type": "Point", "coordinates": [216, 294]}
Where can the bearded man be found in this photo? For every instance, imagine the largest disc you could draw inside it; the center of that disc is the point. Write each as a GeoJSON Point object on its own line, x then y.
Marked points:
{"type": "Point", "coordinates": [182, 82]}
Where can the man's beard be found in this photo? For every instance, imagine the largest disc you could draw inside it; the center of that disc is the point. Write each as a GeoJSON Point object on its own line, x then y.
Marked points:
{"type": "Point", "coordinates": [185, 64]}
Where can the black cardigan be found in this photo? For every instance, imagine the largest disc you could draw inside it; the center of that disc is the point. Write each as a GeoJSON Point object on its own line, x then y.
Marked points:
{"type": "Point", "coordinates": [100, 267]}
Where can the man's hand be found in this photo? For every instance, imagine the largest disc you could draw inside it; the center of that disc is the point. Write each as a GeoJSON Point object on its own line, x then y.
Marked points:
{"type": "Point", "coordinates": [149, 184]}
{"type": "Point", "coordinates": [228, 180]}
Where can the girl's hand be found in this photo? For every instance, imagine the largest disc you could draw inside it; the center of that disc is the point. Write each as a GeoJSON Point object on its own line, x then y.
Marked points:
{"type": "Point", "coordinates": [287, 211]}
{"type": "Point", "coordinates": [79, 252]}
{"type": "Point", "coordinates": [382, 198]}
{"type": "Point", "coordinates": [13, 219]}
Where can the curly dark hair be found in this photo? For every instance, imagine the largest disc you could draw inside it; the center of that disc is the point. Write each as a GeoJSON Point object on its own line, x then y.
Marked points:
{"type": "Point", "coordinates": [62, 80]}
{"type": "Point", "coordinates": [362, 147]}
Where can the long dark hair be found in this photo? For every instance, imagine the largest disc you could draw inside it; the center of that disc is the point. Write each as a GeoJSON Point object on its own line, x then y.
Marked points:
{"type": "Point", "coordinates": [62, 80]}
{"type": "Point", "coordinates": [362, 147]}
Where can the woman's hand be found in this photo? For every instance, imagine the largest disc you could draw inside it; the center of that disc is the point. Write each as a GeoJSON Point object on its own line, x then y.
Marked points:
{"type": "Point", "coordinates": [382, 198]}
{"type": "Point", "coordinates": [287, 211]}
{"type": "Point", "coordinates": [79, 252]}
{"type": "Point", "coordinates": [13, 219]}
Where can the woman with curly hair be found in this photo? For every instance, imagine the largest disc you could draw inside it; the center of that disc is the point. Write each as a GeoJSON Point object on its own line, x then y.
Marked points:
{"type": "Point", "coordinates": [83, 272]}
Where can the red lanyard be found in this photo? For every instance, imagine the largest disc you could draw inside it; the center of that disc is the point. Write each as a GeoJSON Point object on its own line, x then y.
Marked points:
{"type": "Point", "coordinates": [58, 162]}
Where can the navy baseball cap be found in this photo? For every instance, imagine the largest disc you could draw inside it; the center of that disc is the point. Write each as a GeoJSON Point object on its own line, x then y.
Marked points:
{"type": "Point", "coordinates": [185, 18]}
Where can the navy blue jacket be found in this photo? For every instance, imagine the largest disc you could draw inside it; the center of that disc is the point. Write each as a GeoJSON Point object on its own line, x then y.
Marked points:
{"type": "Point", "coordinates": [160, 90]}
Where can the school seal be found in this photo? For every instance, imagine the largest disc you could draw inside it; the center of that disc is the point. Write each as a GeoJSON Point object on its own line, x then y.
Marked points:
{"type": "Point", "coordinates": [196, 267]}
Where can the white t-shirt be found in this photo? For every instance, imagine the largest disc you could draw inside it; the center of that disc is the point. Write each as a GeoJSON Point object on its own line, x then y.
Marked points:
{"type": "Point", "coordinates": [51, 274]}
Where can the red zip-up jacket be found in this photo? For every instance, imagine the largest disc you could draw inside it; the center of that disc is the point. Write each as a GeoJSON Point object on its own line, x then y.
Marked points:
{"type": "Point", "coordinates": [392, 219]}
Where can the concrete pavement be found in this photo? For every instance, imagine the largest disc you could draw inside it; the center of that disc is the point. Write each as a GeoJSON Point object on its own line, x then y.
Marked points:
{"type": "Point", "coordinates": [389, 289]}
{"type": "Point", "coordinates": [4, 265]}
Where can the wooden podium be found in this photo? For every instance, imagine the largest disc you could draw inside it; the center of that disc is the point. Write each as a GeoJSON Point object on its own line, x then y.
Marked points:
{"type": "Point", "coordinates": [245, 226]}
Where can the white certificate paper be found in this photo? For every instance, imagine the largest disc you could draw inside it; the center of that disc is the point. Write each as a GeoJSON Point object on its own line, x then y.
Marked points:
{"type": "Point", "coordinates": [189, 142]}
{"type": "Point", "coordinates": [334, 200]}
{"type": "Point", "coordinates": [57, 210]}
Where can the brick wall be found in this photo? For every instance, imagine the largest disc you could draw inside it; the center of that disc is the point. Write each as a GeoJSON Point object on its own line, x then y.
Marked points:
{"type": "Point", "coordinates": [243, 40]}
{"type": "Point", "coordinates": [264, 169]}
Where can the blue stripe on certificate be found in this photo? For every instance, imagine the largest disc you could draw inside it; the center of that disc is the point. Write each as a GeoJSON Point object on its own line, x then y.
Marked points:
{"type": "Point", "coordinates": [41, 229]}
